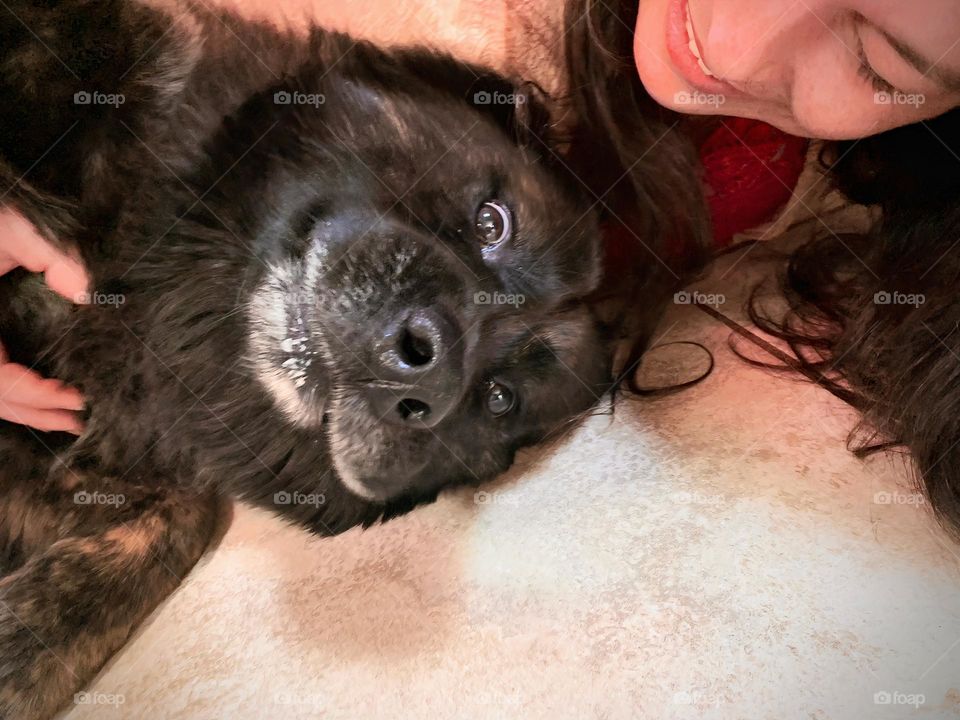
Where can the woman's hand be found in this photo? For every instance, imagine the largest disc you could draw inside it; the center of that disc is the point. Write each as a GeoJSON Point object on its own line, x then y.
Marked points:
{"type": "Point", "coordinates": [26, 397]}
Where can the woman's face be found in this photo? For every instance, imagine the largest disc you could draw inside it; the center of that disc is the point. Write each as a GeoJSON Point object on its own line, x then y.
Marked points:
{"type": "Point", "coordinates": [832, 69]}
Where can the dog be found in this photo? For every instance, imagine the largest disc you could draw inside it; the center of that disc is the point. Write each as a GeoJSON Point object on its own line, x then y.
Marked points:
{"type": "Point", "coordinates": [328, 279]}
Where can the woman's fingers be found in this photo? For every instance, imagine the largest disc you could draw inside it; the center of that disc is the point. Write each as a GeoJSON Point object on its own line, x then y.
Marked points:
{"type": "Point", "coordinates": [22, 386]}
{"type": "Point", "coordinates": [26, 397]}
{"type": "Point", "coordinates": [21, 245]}
{"type": "Point", "coordinates": [42, 420]}
{"type": "Point", "coordinates": [44, 404]}
{"type": "Point", "coordinates": [67, 277]}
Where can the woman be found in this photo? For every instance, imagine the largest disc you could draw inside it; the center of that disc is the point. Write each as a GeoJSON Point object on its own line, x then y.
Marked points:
{"type": "Point", "coordinates": [628, 83]}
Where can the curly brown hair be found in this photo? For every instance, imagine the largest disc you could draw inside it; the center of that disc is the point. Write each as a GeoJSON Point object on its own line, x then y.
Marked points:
{"type": "Point", "coordinates": [898, 364]}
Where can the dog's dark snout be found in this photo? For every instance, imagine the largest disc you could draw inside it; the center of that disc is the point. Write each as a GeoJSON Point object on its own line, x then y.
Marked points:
{"type": "Point", "coordinates": [420, 369]}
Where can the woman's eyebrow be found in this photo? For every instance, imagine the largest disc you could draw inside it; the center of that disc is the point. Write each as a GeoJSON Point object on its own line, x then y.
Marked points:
{"type": "Point", "coordinates": [950, 79]}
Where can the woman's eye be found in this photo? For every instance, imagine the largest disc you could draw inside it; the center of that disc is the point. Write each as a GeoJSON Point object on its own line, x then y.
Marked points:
{"type": "Point", "coordinates": [500, 399]}
{"type": "Point", "coordinates": [494, 224]}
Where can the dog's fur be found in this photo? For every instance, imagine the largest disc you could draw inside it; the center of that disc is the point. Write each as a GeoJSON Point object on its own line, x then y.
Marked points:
{"type": "Point", "coordinates": [249, 256]}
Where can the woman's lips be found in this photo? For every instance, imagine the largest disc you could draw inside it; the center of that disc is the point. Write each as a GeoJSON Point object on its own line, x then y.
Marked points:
{"type": "Point", "coordinates": [686, 53]}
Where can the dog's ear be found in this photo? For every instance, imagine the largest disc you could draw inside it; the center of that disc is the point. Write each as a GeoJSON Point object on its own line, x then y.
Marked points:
{"type": "Point", "coordinates": [519, 108]}
{"type": "Point", "coordinates": [534, 115]}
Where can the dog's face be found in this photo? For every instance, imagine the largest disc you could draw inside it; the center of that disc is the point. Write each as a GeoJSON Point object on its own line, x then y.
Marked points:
{"type": "Point", "coordinates": [421, 314]}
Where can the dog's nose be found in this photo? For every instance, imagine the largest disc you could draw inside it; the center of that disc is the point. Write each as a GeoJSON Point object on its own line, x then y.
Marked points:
{"type": "Point", "coordinates": [419, 369]}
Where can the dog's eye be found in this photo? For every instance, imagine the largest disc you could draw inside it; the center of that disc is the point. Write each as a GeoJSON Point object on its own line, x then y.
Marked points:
{"type": "Point", "coordinates": [500, 399]}
{"type": "Point", "coordinates": [493, 223]}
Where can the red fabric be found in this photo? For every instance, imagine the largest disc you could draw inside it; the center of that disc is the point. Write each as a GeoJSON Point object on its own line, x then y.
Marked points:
{"type": "Point", "coordinates": [750, 171]}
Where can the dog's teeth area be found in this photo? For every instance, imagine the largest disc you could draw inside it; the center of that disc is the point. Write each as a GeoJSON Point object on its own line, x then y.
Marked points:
{"type": "Point", "coordinates": [692, 43]}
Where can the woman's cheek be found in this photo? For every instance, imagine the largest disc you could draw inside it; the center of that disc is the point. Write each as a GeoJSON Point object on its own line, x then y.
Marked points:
{"type": "Point", "coordinates": [842, 108]}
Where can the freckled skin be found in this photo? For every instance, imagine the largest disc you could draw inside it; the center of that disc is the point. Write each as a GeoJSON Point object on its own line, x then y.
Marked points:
{"type": "Point", "coordinates": [260, 249]}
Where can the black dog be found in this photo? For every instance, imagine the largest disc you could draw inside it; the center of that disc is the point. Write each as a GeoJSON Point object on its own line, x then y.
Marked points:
{"type": "Point", "coordinates": [329, 279]}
